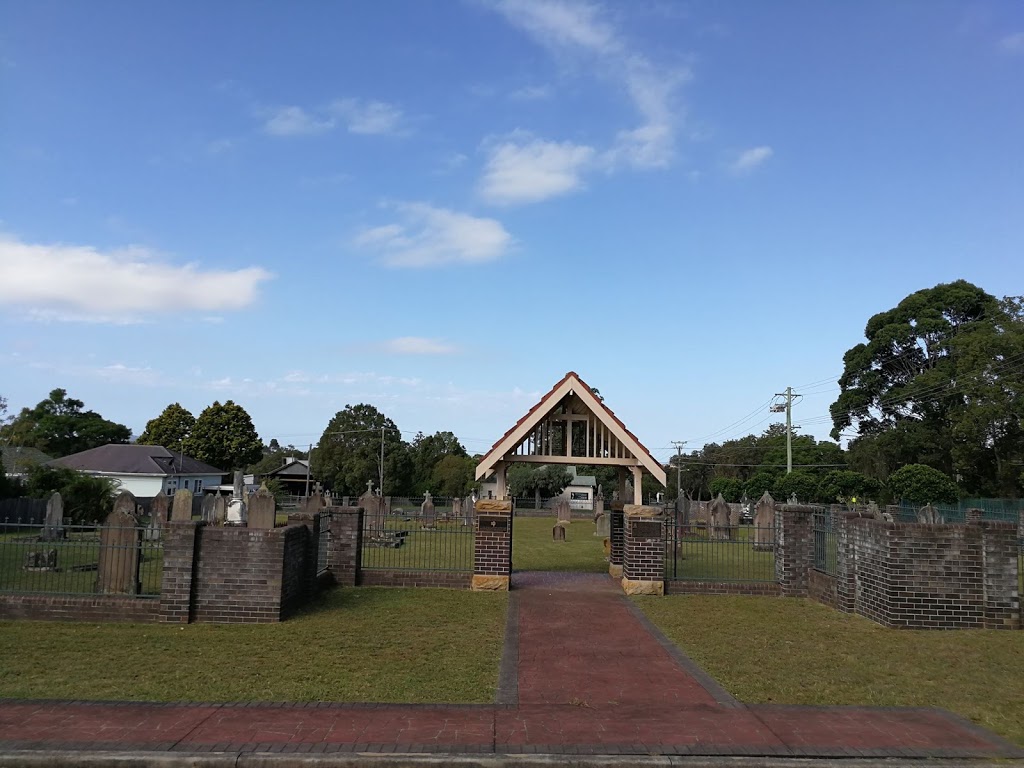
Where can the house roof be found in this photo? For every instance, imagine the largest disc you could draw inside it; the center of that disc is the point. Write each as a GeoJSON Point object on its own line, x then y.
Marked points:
{"type": "Point", "coordinates": [135, 460]}
{"type": "Point", "coordinates": [587, 480]}
{"type": "Point", "coordinates": [293, 467]}
{"type": "Point", "coordinates": [18, 460]}
{"type": "Point", "coordinates": [570, 383]}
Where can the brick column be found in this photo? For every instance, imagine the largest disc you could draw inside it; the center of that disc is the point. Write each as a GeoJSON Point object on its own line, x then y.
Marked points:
{"type": "Point", "coordinates": [643, 564]}
{"type": "Point", "coordinates": [492, 545]}
{"type": "Point", "coordinates": [794, 555]}
{"type": "Point", "coordinates": [345, 547]}
{"type": "Point", "coordinates": [616, 522]}
{"type": "Point", "coordinates": [180, 542]}
{"type": "Point", "coordinates": [999, 571]}
{"type": "Point", "coordinates": [846, 560]}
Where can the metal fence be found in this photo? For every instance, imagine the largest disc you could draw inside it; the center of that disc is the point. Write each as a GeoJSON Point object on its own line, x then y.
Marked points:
{"type": "Point", "coordinates": [721, 553]}
{"type": "Point", "coordinates": [826, 542]}
{"type": "Point", "coordinates": [405, 543]}
{"type": "Point", "coordinates": [66, 561]}
{"type": "Point", "coordinates": [323, 543]}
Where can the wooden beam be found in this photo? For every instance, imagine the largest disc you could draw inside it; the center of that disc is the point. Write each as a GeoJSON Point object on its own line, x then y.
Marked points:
{"type": "Point", "coordinates": [595, 460]}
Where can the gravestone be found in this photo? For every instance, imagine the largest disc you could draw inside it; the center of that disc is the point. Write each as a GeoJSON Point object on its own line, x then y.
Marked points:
{"type": "Point", "coordinates": [118, 570]}
{"type": "Point", "coordinates": [373, 508]}
{"type": "Point", "coordinates": [158, 510]}
{"type": "Point", "coordinates": [456, 508]}
{"type": "Point", "coordinates": [41, 560]}
{"type": "Point", "coordinates": [562, 511]}
{"type": "Point", "coordinates": [427, 515]}
{"type": "Point", "coordinates": [236, 507]}
{"type": "Point", "coordinates": [603, 528]}
{"type": "Point", "coordinates": [181, 508]}
{"type": "Point", "coordinates": [54, 525]}
{"type": "Point", "coordinates": [764, 522]}
{"type": "Point", "coordinates": [734, 515]}
{"type": "Point", "coordinates": [209, 505]}
{"type": "Point", "coordinates": [262, 509]}
{"type": "Point", "coordinates": [930, 515]}
{"type": "Point", "coordinates": [718, 518]}
{"type": "Point", "coordinates": [310, 506]}
{"type": "Point", "coordinates": [220, 510]}
{"type": "Point", "coordinates": [468, 507]}
{"type": "Point", "coordinates": [558, 532]}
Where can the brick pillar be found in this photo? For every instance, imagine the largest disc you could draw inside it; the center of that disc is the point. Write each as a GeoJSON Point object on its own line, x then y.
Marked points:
{"type": "Point", "coordinates": [999, 572]}
{"type": "Point", "coordinates": [846, 559]}
{"type": "Point", "coordinates": [794, 555]}
{"type": "Point", "coordinates": [616, 523]}
{"type": "Point", "coordinates": [180, 542]}
{"type": "Point", "coordinates": [643, 563]}
{"type": "Point", "coordinates": [345, 548]}
{"type": "Point", "coordinates": [492, 545]}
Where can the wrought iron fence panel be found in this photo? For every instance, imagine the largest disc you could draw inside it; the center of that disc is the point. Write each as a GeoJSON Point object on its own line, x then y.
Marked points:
{"type": "Point", "coordinates": [826, 543]}
{"type": "Point", "coordinates": [722, 553]}
{"type": "Point", "coordinates": [76, 560]}
{"type": "Point", "coordinates": [323, 543]}
{"type": "Point", "coordinates": [406, 543]}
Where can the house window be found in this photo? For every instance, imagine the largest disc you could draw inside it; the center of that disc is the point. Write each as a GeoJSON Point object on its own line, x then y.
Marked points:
{"type": "Point", "coordinates": [186, 483]}
{"type": "Point", "coordinates": [199, 485]}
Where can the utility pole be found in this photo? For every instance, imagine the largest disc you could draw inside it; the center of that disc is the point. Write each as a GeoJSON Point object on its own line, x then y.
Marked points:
{"type": "Point", "coordinates": [788, 408]}
{"type": "Point", "coordinates": [382, 461]}
{"type": "Point", "coordinates": [309, 461]}
{"type": "Point", "coordinates": [679, 466]}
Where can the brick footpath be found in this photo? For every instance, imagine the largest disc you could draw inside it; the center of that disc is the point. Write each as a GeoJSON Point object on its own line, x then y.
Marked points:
{"type": "Point", "coordinates": [583, 673]}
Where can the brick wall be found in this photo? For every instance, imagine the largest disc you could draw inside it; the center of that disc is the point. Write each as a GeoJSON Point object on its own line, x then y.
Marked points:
{"type": "Point", "coordinates": [79, 608]}
{"type": "Point", "coordinates": [176, 594]}
{"type": "Point", "coordinates": [918, 576]}
{"type": "Point", "coordinates": [794, 554]}
{"type": "Point", "coordinates": [415, 579]}
{"type": "Point", "coordinates": [643, 547]}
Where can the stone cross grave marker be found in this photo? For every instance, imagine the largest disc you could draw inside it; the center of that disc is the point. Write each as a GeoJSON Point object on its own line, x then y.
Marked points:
{"type": "Point", "coordinates": [427, 515]}
{"type": "Point", "coordinates": [54, 525]}
{"type": "Point", "coordinates": [118, 569]}
{"type": "Point", "coordinates": [181, 508]}
{"type": "Point", "coordinates": [262, 509]}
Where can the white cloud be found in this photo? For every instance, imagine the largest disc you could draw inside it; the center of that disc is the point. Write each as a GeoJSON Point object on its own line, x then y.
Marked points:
{"type": "Point", "coordinates": [750, 159]}
{"type": "Point", "coordinates": [295, 121]}
{"type": "Point", "coordinates": [1012, 43]}
{"type": "Point", "coordinates": [417, 345]}
{"type": "Point", "coordinates": [427, 236]}
{"type": "Point", "coordinates": [373, 117]}
{"type": "Point", "coordinates": [577, 29]}
{"type": "Point", "coordinates": [79, 282]}
{"type": "Point", "coordinates": [531, 93]}
{"type": "Point", "coordinates": [535, 170]}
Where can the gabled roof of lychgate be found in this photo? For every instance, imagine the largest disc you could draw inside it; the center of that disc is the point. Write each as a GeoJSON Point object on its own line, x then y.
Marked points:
{"type": "Point", "coordinates": [571, 383]}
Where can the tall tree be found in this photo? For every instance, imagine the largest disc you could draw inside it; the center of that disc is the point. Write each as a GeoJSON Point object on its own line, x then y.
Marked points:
{"type": "Point", "coordinates": [59, 426]}
{"type": "Point", "coordinates": [348, 454]}
{"type": "Point", "coordinates": [170, 429]}
{"type": "Point", "coordinates": [225, 437]}
{"type": "Point", "coordinates": [453, 475]}
{"type": "Point", "coordinates": [427, 451]}
{"type": "Point", "coordinates": [939, 381]}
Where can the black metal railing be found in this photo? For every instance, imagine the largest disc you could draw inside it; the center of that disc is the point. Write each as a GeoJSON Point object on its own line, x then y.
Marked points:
{"type": "Point", "coordinates": [323, 543]}
{"type": "Point", "coordinates": [721, 553]}
{"type": "Point", "coordinates": [407, 543]}
{"type": "Point", "coordinates": [79, 559]}
{"type": "Point", "coordinates": [826, 543]}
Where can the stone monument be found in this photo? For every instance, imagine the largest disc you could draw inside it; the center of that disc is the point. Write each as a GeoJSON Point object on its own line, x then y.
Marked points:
{"type": "Point", "coordinates": [261, 509]}
{"type": "Point", "coordinates": [118, 569]}
{"type": "Point", "coordinates": [237, 512]}
{"type": "Point", "coordinates": [181, 508]}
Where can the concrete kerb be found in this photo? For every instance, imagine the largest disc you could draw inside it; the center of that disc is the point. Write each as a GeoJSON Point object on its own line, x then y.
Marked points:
{"type": "Point", "coordinates": [98, 759]}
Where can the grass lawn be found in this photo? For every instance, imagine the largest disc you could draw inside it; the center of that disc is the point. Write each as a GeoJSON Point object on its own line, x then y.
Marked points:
{"type": "Point", "coordinates": [799, 652]}
{"type": "Point", "coordinates": [366, 644]}
{"type": "Point", "coordinates": [533, 549]}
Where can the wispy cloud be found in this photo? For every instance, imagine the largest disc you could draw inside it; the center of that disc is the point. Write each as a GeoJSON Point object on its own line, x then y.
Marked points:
{"type": "Point", "coordinates": [427, 236]}
{"type": "Point", "coordinates": [83, 283]}
{"type": "Point", "coordinates": [580, 30]}
{"type": "Point", "coordinates": [750, 159]}
{"type": "Point", "coordinates": [528, 171]}
{"type": "Point", "coordinates": [418, 345]}
{"type": "Point", "coordinates": [1012, 44]}
{"type": "Point", "coordinates": [531, 93]}
{"type": "Point", "coordinates": [357, 116]}
{"type": "Point", "coordinates": [295, 121]}
{"type": "Point", "coordinates": [367, 117]}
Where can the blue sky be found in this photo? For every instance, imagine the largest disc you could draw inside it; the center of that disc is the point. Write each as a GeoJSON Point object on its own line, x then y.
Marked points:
{"type": "Point", "coordinates": [440, 208]}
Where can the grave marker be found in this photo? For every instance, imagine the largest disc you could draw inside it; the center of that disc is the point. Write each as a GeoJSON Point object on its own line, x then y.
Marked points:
{"type": "Point", "coordinates": [181, 509]}
{"type": "Point", "coordinates": [118, 570]}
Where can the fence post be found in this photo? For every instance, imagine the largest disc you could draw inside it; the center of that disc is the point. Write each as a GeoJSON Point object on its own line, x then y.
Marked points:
{"type": "Point", "coordinates": [492, 545]}
{"type": "Point", "coordinates": [643, 565]}
{"type": "Point", "coordinates": [795, 554]}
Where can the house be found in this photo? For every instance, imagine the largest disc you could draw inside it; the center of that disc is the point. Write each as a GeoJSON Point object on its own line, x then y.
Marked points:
{"type": "Point", "coordinates": [581, 491]}
{"type": "Point", "coordinates": [18, 461]}
{"type": "Point", "coordinates": [144, 470]}
{"type": "Point", "coordinates": [293, 476]}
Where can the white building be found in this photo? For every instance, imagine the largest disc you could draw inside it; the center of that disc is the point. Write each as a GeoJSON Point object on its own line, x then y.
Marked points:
{"type": "Point", "coordinates": [144, 470]}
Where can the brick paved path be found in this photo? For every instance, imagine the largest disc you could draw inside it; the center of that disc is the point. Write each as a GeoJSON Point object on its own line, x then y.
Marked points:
{"type": "Point", "coordinates": [583, 672]}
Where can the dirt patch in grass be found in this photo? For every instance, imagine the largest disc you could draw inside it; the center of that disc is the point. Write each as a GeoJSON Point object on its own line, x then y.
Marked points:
{"type": "Point", "coordinates": [800, 652]}
{"type": "Point", "coordinates": [534, 550]}
{"type": "Point", "coordinates": [366, 644]}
